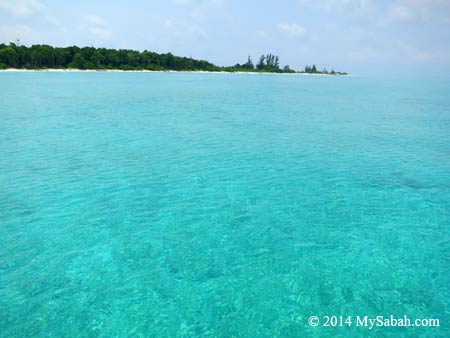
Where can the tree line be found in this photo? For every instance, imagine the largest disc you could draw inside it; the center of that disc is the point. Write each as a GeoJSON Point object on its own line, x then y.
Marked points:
{"type": "Point", "coordinates": [45, 56]}
{"type": "Point", "coordinates": [313, 70]}
{"type": "Point", "coordinates": [267, 63]}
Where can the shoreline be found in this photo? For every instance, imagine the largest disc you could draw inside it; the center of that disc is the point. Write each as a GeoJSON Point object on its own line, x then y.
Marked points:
{"type": "Point", "coordinates": [73, 70]}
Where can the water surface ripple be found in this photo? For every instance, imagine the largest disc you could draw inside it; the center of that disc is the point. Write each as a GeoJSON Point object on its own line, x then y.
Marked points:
{"type": "Point", "coordinates": [219, 205]}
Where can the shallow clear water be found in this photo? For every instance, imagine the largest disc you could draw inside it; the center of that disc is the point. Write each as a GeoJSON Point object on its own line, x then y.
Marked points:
{"type": "Point", "coordinates": [219, 205]}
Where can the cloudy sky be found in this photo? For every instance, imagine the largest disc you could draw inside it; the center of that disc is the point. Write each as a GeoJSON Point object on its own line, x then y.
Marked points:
{"type": "Point", "coordinates": [398, 37]}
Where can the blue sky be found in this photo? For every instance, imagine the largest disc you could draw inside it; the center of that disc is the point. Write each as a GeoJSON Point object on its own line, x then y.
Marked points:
{"type": "Point", "coordinates": [398, 37]}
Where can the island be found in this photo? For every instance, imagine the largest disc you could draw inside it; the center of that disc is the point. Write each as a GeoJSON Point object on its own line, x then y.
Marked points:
{"type": "Point", "coordinates": [38, 57]}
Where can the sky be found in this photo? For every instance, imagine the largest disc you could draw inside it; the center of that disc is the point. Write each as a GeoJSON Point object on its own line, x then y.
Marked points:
{"type": "Point", "coordinates": [367, 37]}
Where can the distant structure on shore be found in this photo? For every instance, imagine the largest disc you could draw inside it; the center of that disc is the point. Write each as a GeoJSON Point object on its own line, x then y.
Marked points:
{"type": "Point", "coordinates": [48, 57]}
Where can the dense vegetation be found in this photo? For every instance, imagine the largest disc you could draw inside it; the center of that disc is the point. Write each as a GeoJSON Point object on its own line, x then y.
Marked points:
{"type": "Point", "coordinates": [313, 70]}
{"type": "Point", "coordinates": [44, 56]}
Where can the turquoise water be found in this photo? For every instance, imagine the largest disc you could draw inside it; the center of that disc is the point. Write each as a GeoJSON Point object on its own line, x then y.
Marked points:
{"type": "Point", "coordinates": [221, 205]}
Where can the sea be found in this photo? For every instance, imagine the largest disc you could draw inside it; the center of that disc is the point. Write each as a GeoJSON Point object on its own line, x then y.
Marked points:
{"type": "Point", "coordinates": [223, 205]}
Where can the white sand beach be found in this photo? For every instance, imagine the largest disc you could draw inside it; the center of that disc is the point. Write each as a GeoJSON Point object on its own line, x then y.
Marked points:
{"type": "Point", "coordinates": [73, 70]}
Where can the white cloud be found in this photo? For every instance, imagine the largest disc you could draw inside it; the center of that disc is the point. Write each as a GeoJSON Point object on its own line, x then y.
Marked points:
{"type": "Point", "coordinates": [408, 52]}
{"type": "Point", "coordinates": [355, 8]}
{"type": "Point", "coordinates": [292, 29]}
{"type": "Point", "coordinates": [27, 34]}
{"type": "Point", "coordinates": [30, 21]}
{"type": "Point", "coordinates": [429, 9]}
{"type": "Point", "coordinates": [181, 31]}
{"type": "Point", "coordinates": [97, 26]}
{"type": "Point", "coordinates": [424, 4]}
{"type": "Point", "coordinates": [191, 26]}
{"type": "Point", "coordinates": [416, 54]}
{"type": "Point", "coordinates": [396, 14]}
{"type": "Point", "coordinates": [9, 33]}
{"type": "Point", "coordinates": [214, 3]}
{"type": "Point", "coordinates": [211, 3]}
{"type": "Point", "coordinates": [400, 13]}
{"type": "Point", "coordinates": [22, 8]}
{"type": "Point", "coordinates": [25, 9]}
{"type": "Point", "coordinates": [204, 9]}
{"type": "Point", "coordinates": [366, 54]}
{"type": "Point", "coordinates": [182, 2]}
{"type": "Point", "coordinates": [94, 19]}
{"type": "Point", "coordinates": [385, 13]}
{"type": "Point", "coordinates": [261, 34]}
{"type": "Point", "coordinates": [102, 33]}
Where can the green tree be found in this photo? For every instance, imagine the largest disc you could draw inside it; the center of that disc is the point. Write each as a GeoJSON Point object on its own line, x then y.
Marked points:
{"type": "Point", "coordinates": [8, 56]}
{"type": "Point", "coordinates": [45, 56]}
{"type": "Point", "coordinates": [78, 61]}
{"type": "Point", "coordinates": [249, 64]}
{"type": "Point", "coordinates": [261, 63]}
{"type": "Point", "coordinates": [277, 62]}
